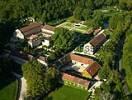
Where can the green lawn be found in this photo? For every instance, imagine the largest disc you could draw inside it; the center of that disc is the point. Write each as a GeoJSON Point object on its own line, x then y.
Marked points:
{"type": "Point", "coordinates": [109, 11]}
{"type": "Point", "coordinates": [68, 93]}
{"type": "Point", "coordinates": [8, 89]}
{"type": "Point", "coordinates": [75, 27]}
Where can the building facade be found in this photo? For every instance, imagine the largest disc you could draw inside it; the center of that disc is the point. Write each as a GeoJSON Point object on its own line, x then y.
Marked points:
{"type": "Point", "coordinates": [35, 34]}
{"type": "Point", "coordinates": [93, 45]}
{"type": "Point", "coordinates": [74, 81]}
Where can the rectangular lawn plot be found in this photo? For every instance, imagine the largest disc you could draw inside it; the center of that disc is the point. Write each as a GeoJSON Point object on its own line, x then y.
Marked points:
{"type": "Point", "coordinates": [81, 28]}
{"type": "Point", "coordinates": [75, 27]}
{"type": "Point", "coordinates": [68, 93]}
{"type": "Point", "coordinates": [66, 25]}
{"type": "Point", "coordinates": [9, 90]}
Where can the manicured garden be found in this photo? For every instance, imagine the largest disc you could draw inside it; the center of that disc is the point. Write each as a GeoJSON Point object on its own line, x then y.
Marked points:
{"type": "Point", "coordinates": [68, 93]}
{"type": "Point", "coordinates": [8, 89]}
{"type": "Point", "coordinates": [79, 27]}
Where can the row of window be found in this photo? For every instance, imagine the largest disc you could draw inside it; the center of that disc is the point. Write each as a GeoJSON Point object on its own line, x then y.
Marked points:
{"type": "Point", "coordinates": [74, 84]}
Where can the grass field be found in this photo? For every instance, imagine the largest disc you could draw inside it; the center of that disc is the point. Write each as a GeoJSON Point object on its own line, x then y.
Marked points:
{"type": "Point", "coordinates": [75, 27]}
{"type": "Point", "coordinates": [8, 89]}
{"type": "Point", "coordinates": [109, 11]}
{"type": "Point", "coordinates": [68, 93]}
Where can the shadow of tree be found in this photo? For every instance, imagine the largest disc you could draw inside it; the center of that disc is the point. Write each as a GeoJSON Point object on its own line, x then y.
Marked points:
{"type": "Point", "coordinates": [6, 77]}
{"type": "Point", "coordinates": [49, 98]}
{"type": "Point", "coordinates": [6, 80]}
{"type": "Point", "coordinates": [119, 52]}
{"type": "Point", "coordinates": [59, 84]}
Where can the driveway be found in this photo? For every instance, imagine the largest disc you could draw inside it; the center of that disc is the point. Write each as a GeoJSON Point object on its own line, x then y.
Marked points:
{"type": "Point", "coordinates": [23, 86]}
{"type": "Point", "coordinates": [23, 89]}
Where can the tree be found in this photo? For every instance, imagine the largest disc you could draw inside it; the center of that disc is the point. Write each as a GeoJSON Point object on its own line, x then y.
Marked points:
{"type": "Point", "coordinates": [108, 2]}
{"type": "Point", "coordinates": [34, 73]}
{"type": "Point", "coordinates": [127, 60]}
{"type": "Point", "coordinates": [125, 4]}
{"type": "Point", "coordinates": [98, 3]}
{"type": "Point", "coordinates": [52, 77]}
{"type": "Point", "coordinates": [86, 13]}
{"type": "Point", "coordinates": [106, 55]}
{"type": "Point", "coordinates": [89, 4]}
{"type": "Point", "coordinates": [98, 20]}
{"type": "Point", "coordinates": [113, 24]}
{"type": "Point", "coordinates": [78, 13]}
{"type": "Point", "coordinates": [64, 40]}
{"type": "Point", "coordinates": [40, 79]}
{"type": "Point", "coordinates": [111, 2]}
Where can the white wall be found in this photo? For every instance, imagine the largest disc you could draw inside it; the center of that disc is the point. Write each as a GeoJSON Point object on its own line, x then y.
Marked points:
{"type": "Point", "coordinates": [18, 34]}
{"type": "Point", "coordinates": [47, 31]}
{"type": "Point", "coordinates": [42, 62]}
{"type": "Point", "coordinates": [88, 49]}
{"type": "Point", "coordinates": [34, 43]}
{"type": "Point", "coordinates": [45, 42]}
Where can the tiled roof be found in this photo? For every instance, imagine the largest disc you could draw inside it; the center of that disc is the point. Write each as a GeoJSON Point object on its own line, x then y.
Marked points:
{"type": "Point", "coordinates": [48, 33]}
{"type": "Point", "coordinates": [75, 79]}
{"type": "Point", "coordinates": [81, 59]}
{"type": "Point", "coordinates": [97, 30]}
{"type": "Point", "coordinates": [98, 40]}
{"type": "Point", "coordinates": [32, 28]}
{"type": "Point", "coordinates": [42, 58]}
{"type": "Point", "coordinates": [48, 27]}
{"type": "Point", "coordinates": [93, 68]}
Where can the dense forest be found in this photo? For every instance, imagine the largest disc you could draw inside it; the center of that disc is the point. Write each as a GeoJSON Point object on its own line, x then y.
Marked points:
{"type": "Point", "coordinates": [12, 12]}
{"type": "Point", "coordinates": [45, 10]}
{"type": "Point", "coordinates": [40, 79]}
{"type": "Point", "coordinates": [127, 57]}
{"type": "Point", "coordinates": [111, 54]}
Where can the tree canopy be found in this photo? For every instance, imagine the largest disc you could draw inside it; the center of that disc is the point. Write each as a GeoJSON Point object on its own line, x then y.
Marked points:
{"type": "Point", "coordinates": [64, 41]}
{"type": "Point", "coordinates": [127, 59]}
{"type": "Point", "coordinates": [40, 79]}
{"type": "Point", "coordinates": [110, 56]}
{"type": "Point", "coordinates": [12, 12]}
{"type": "Point", "coordinates": [5, 66]}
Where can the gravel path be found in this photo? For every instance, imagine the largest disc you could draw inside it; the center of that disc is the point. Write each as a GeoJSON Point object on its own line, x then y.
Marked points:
{"type": "Point", "coordinates": [23, 89]}
{"type": "Point", "coordinates": [23, 86]}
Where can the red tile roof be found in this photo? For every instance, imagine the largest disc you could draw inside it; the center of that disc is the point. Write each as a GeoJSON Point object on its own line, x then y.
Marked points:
{"type": "Point", "coordinates": [98, 40]}
{"type": "Point", "coordinates": [32, 28]}
{"type": "Point", "coordinates": [93, 68]}
{"type": "Point", "coordinates": [75, 79]}
{"type": "Point", "coordinates": [48, 27]}
{"type": "Point", "coordinates": [81, 59]}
